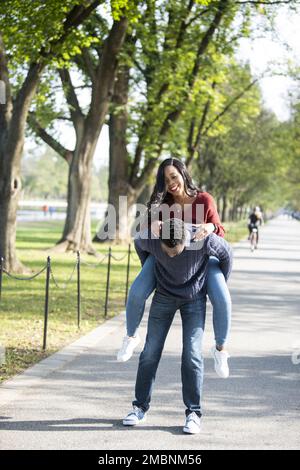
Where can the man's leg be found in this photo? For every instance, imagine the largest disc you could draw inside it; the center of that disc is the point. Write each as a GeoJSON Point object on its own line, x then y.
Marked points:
{"type": "Point", "coordinates": [161, 315]}
{"type": "Point", "coordinates": [193, 321]}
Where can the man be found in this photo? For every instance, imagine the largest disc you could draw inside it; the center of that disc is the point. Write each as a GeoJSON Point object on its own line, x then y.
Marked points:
{"type": "Point", "coordinates": [180, 269]}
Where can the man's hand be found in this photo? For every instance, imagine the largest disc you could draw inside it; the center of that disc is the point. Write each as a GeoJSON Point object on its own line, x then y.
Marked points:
{"type": "Point", "coordinates": [203, 231]}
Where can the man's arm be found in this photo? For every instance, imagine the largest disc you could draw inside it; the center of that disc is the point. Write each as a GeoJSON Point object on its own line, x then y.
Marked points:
{"type": "Point", "coordinates": [218, 247]}
{"type": "Point", "coordinates": [143, 244]}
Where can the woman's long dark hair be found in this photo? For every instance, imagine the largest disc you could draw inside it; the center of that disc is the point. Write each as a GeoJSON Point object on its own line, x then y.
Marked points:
{"type": "Point", "coordinates": [160, 194]}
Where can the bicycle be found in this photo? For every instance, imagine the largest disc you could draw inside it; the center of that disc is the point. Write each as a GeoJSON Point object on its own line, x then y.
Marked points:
{"type": "Point", "coordinates": [253, 238]}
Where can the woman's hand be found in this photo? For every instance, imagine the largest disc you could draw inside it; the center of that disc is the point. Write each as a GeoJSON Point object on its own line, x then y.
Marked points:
{"type": "Point", "coordinates": [155, 227]}
{"type": "Point", "coordinates": [203, 231]}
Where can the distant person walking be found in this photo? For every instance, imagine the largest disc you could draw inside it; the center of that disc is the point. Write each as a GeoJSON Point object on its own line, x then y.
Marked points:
{"type": "Point", "coordinates": [45, 209]}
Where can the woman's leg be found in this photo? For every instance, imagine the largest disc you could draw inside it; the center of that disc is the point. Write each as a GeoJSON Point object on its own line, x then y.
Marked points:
{"type": "Point", "coordinates": [143, 285]}
{"type": "Point", "coordinates": [221, 302]}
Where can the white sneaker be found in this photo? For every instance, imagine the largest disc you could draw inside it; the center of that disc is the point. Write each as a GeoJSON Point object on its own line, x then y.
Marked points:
{"type": "Point", "coordinates": [221, 364]}
{"type": "Point", "coordinates": [134, 417]}
{"type": "Point", "coordinates": [192, 424]}
{"type": "Point", "coordinates": [128, 346]}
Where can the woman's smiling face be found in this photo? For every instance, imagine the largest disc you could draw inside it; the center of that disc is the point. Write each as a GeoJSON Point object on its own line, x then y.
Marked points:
{"type": "Point", "coordinates": [174, 181]}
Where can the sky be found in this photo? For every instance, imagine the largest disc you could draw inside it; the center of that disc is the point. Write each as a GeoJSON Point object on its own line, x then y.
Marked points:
{"type": "Point", "coordinates": [269, 53]}
{"type": "Point", "coordinates": [266, 53]}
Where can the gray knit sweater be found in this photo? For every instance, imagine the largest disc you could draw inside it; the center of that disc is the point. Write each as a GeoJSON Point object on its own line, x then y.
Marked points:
{"type": "Point", "coordinates": [184, 275]}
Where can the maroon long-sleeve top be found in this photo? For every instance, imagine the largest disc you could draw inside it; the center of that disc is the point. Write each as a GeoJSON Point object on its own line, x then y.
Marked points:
{"type": "Point", "coordinates": [209, 214]}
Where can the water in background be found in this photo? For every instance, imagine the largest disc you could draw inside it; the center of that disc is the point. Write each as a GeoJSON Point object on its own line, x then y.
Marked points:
{"type": "Point", "coordinates": [40, 210]}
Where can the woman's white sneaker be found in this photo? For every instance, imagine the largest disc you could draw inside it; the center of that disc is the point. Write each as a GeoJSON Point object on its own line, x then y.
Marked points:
{"type": "Point", "coordinates": [127, 348]}
{"type": "Point", "coordinates": [134, 417]}
{"type": "Point", "coordinates": [192, 424]}
{"type": "Point", "coordinates": [221, 364]}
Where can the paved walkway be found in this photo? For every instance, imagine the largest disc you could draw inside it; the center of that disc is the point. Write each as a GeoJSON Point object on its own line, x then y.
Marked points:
{"type": "Point", "coordinates": [76, 398]}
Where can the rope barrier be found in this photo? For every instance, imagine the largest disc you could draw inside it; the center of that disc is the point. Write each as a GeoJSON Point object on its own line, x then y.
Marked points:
{"type": "Point", "coordinates": [67, 282]}
{"type": "Point", "coordinates": [119, 259]}
{"type": "Point", "coordinates": [94, 265]}
{"type": "Point", "coordinates": [24, 278]}
{"type": "Point", "coordinates": [50, 277]}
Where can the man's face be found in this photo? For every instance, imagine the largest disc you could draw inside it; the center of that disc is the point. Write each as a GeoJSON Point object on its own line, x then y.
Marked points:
{"type": "Point", "coordinates": [172, 251]}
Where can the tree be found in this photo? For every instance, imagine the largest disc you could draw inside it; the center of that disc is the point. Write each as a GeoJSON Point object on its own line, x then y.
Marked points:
{"type": "Point", "coordinates": [174, 67]}
{"type": "Point", "coordinates": [99, 66]}
{"type": "Point", "coordinates": [32, 36]}
{"type": "Point", "coordinates": [162, 59]}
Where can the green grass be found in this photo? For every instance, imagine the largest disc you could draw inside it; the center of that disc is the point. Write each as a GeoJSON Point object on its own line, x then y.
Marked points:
{"type": "Point", "coordinates": [22, 303]}
{"type": "Point", "coordinates": [235, 231]}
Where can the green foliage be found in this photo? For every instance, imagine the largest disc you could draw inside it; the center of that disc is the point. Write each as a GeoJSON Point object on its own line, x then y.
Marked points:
{"type": "Point", "coordinates": [29, 27]}
{"type": "Point", "coordinates": [38, 165]}
{"type": "Point", "coordinates": [36, 168]}
{"type": "Point", "coordinates": [234, 152]}
{"type": "Point", "coordinates": [253, 158]}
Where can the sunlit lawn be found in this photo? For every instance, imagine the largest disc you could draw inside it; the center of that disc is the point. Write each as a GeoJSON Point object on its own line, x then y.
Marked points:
{"type": "Point", "coordinates": [22, 303]}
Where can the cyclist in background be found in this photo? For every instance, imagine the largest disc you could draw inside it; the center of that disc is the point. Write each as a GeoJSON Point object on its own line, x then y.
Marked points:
{"type": "Point", "coordinates": [255, 219]}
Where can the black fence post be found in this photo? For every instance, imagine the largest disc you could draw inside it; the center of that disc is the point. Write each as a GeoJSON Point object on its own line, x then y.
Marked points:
{"type": "Point", "coordinates": [46, 303]}
{"type": "Point", "coordinates": [1, 275]}
{"type": "Point", "coordinates": [78, 289]}
{"type": "Point", "coordinates": [107, 282]}
{"type": "Point", "coordinates": [127, 274]}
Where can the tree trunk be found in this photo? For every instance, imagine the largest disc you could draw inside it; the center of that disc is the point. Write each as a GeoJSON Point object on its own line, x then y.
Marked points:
{"type": "Point", "coordinates": [77, 230]}
{"type": "Point", "coordinates": [13, 117]}
{"type": "Point", "coordinates": [224, 208]}
{"type": "Point", "coordinates": [118, 167]}
{"type": "Point", "coordinates": [9, 196]}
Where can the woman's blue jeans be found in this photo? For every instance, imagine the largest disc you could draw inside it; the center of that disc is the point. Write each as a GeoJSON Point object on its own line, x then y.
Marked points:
{"type": "Point", "coordinates": [218, 293]}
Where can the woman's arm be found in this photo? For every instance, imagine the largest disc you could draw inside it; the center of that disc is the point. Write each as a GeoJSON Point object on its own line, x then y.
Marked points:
{"type": "Point", "coordinates": [212, 222]}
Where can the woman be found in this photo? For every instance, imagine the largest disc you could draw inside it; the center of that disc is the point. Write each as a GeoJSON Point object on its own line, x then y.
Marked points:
{"type": "Point", "coordinates": [175, 186]}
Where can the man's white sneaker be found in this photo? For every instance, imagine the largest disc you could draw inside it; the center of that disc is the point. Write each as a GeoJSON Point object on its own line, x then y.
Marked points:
{"type": "Point", "coordinates": [192, 424]}
{"type": "Point", "coordinates": [134, 417]}
{"type": "Point", "coordinates": [127, 348]}
{"type": "Point", "coordinates": [221, 364]}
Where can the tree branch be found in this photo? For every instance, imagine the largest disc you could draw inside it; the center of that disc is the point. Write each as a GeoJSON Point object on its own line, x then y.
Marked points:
{"type": "Point", "coordinates": [24, 97]}
{"type": "Point", "coordinates": [229, 105]}
{"type": "Point", "coordinates": [192, 146]}
{"type": "Point", "coordinates": [196, 17]}
{"type": "Point", "coordinates": [105, 73]}
{"type": "Point", "coordinates": [76, 113]}
{"type": "Point", "coordinates": [179, 41]}
{"type": "Point", "coordinates": [74, 18]}
{"type": "Point", "coordinates": [66, 154]}
{"type": "Point", "coordinates": [163, 89]}
{"type": "Point", "coordinates": [174, 115]}
{"type": "Point", "coordinates": [85, 63]}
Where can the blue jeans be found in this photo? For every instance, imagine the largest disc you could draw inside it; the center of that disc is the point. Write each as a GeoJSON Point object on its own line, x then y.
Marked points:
{"type": "Point", "coordinates": [161, 315]}
{"type": "Point", "coordinates": [145, 283]}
